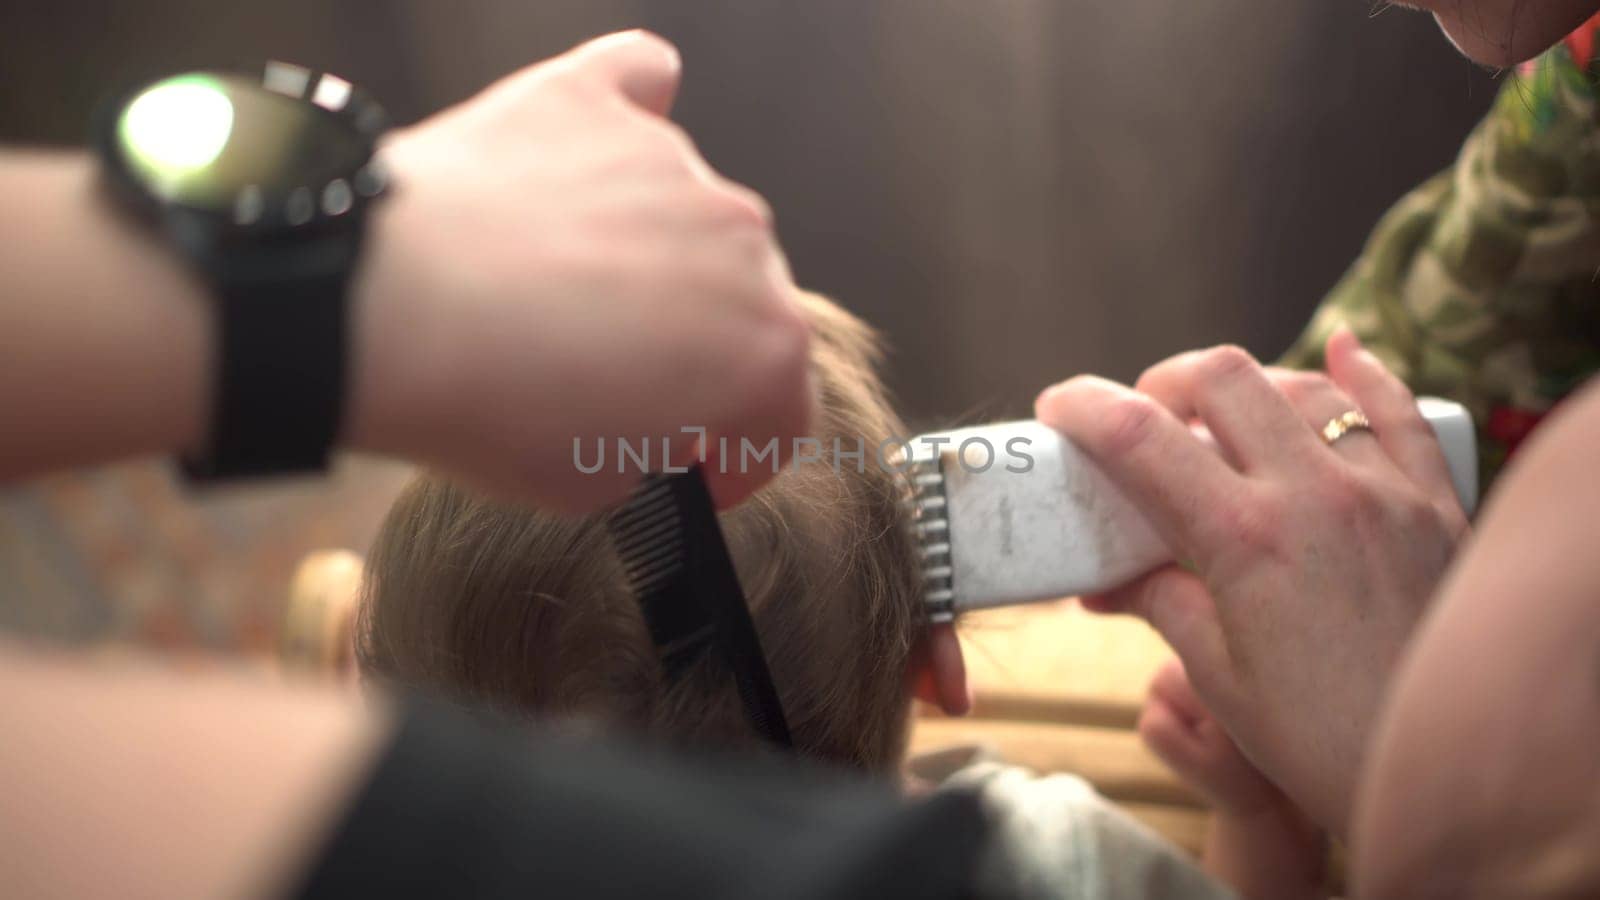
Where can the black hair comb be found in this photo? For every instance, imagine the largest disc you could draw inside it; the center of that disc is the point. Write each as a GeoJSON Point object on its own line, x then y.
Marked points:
{"type": "Point", "coordinates": [679, 570]}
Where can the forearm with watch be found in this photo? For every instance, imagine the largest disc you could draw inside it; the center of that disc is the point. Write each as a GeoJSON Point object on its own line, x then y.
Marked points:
{"type": "Point", "coordinates": [552, 262]}
{"type": "Point", "coordinates": [242, 352]}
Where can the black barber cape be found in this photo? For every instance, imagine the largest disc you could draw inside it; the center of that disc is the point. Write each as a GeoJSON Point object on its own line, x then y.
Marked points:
{"type": "Point", "coordinates": [459, 808]}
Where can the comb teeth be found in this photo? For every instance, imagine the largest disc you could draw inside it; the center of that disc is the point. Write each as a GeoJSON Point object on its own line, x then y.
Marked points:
{"type": "Point", "coordinates": [931, 527]}
{"type": "Point", "coordinates": [648, 533]}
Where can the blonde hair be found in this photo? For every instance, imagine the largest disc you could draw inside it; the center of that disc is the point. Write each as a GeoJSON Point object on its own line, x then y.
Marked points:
{"type": "Point", "coordinates": [528, 611]}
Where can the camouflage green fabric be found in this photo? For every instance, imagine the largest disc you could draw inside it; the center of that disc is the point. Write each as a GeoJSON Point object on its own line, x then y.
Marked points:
{"type": "Point", "coordinates": [1483, 284]}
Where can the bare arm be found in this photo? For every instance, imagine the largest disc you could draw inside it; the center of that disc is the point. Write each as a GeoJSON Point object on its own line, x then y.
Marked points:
{"type": "Point", "coordinates": [1258, 843]}
{"type": "Point", "coordinates": [106, 336]}
{"type": "Point", "coordinates": [1483, 765]}
{"type": "Point", "coordinates": [614, 266]}
{"type": "Point", "coordinates": [1537, 536]}
{"type": "Point", "coordinates": [103, 336]}
{"type": "Point", "coordinates": [134, 782]}
{"type": "Point", "coordinates": [1270, 853]}
{"type": "Point", "coordinates": [634, 276]}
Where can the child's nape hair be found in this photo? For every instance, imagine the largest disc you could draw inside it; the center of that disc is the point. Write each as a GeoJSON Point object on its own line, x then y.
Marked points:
{"type": "Point", "coordinates": [529, 612]}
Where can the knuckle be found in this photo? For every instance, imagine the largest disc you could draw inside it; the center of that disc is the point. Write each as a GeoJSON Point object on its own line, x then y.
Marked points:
{"type": "Point", "coordinates": [1414, 429]}
{"type": "Point", "coordinates": [745, 207]}
{"type": "Point", "coordinates": [740, 212]}
{"type": "Point", "coordinates": [570, 80]}
{"type": "Point", "coordinates": [1148, 726]}
{"type": "Point", "coordinates": [1346, 498]}
{"type": "Point", "coordinates": [1304, 385]}
{"type": "Point", "coordinates": [1391, 383]}
{"type": "Point", "coordinates": [776, 357]}
{"type": "Point", "coordinates": [1256, 525]}
{"type": "Point", "coordinates": [666, 146]}
{"type": "Point", "coordinates": [1128, 422]}
{"type": "Point", "coordinates": [642, 147]}
{"type": "Point", "coordinates": [1454, 521]}
{"type": "Point", "coordinates": [791, 333]}
{"type": "Point", "coordinates": [1416, 514]}
{"type": "Point", "coordinates": [1225, 362]}
{"type": "Point", "coordinates": [1165, 368]}
{"type": "Point", "coordinates": [1214, 687]}
{"type": "Point", "coordinates": [739, 237]}
{"type": "Point", "coordinates": [1253, 524]}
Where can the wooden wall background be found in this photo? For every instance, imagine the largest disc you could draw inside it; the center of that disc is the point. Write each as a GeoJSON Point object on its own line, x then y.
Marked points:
{"type": "Point", "coordinates": [1014, 190]}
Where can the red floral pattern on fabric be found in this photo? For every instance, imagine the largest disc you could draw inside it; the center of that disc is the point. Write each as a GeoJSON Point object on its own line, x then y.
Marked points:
{"type": "Point", "coordinates": [1580, 43]}
{"type": "Point", "coordinates": [1511, 426]}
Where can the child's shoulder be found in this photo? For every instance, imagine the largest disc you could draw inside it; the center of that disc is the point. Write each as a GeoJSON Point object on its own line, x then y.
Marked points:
{"type": "Point", "coordinates": [1055, 836]}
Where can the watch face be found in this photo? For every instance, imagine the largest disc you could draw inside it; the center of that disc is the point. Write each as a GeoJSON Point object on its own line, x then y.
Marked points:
{"type": "Point", "coordinates": [230, 145]}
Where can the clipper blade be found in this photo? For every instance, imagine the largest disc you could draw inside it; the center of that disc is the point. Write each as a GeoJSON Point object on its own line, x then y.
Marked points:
{"type": "Point", "coordinates": [1012, 513]}
{"type": "Point", "coordinates": [931, 528]}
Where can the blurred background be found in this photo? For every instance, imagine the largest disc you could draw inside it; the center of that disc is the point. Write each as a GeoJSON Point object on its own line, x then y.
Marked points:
{"type": "Point", "coordinates": [1012, 190]}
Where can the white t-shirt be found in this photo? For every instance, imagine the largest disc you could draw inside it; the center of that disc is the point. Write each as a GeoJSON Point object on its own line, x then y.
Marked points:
{"type": "Point", "coordinates": [1057, 838]}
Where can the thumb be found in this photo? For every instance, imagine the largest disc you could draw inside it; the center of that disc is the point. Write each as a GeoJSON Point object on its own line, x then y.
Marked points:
{"type": "Point", "coordinates": [645, 67]}
{"type": "Point", "coordinates": [1178, 606]}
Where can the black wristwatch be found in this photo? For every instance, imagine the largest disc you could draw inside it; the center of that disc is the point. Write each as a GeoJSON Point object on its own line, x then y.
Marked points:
{"type": "Point", "coordinates": [264, 184]}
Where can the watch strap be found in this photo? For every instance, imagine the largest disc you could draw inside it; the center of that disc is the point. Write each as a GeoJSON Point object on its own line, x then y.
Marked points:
{"type": "Point", "coordinates": [280, 375]}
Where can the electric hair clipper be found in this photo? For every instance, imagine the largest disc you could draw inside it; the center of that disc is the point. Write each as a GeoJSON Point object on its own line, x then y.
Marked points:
{"type": "Point", "coordinates": [1013, 513]}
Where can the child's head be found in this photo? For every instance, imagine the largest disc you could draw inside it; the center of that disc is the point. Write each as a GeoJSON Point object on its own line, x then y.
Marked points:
{"type": "Point", "coordinates": [530, 611]}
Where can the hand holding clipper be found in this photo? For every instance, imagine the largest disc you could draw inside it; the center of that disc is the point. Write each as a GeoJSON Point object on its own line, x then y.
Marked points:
{"type": "Point", "coordinates": [1312, 543]}
{"type": "Point", "coordinates": [1013, 512]}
